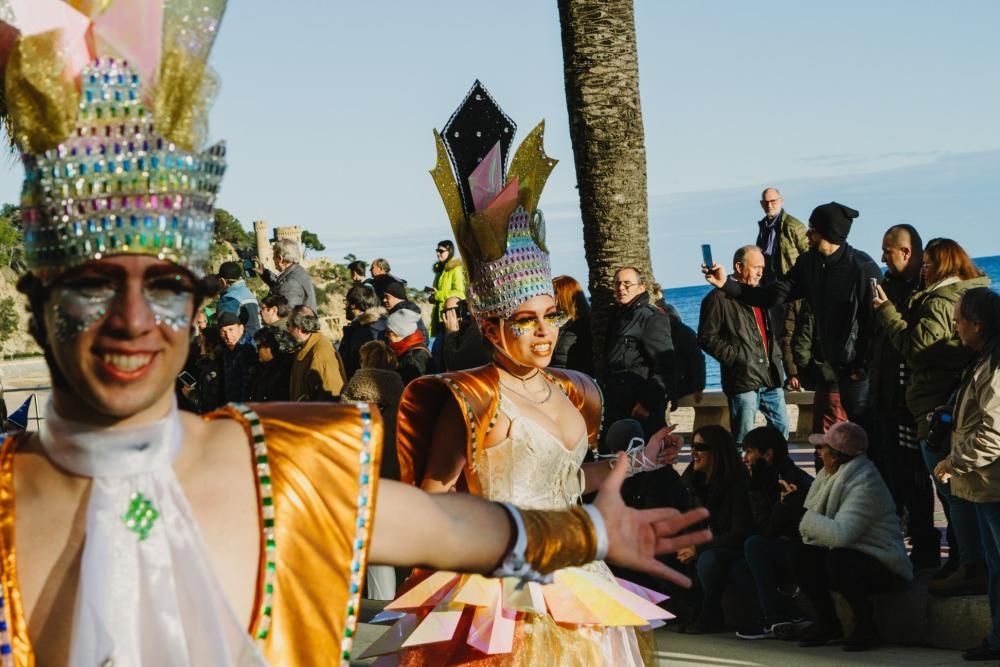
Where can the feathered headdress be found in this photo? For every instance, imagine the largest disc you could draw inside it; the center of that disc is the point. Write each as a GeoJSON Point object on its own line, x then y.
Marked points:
{"type": "Point", "coordinates": [107, 103]}
{"type": "Point", "coordinates": [499, 230]}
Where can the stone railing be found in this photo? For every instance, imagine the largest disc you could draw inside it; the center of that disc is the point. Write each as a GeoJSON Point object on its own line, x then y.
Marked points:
{"type": "Point", "coordinates": [714, 409]}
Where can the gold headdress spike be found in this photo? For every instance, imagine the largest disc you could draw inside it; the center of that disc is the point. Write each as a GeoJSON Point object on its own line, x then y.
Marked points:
{"type": "Point", "coordinates": [498, 227]}
{"type": "Point", "coordinates": [107, 102]}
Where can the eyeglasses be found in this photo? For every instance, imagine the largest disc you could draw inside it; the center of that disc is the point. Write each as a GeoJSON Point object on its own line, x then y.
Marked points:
{"type": "Point", "coordinates": [625, 284]}
{"type": "Point", "coordinates": [526, 324]}
{"type": "Point", "coordinates": [770, 201]}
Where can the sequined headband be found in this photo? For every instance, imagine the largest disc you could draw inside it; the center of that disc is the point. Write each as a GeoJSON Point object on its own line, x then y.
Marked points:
{"type": "Point", "coordinates": [498, 228]}
{"type": "Point", "coordinates": [110, 145]}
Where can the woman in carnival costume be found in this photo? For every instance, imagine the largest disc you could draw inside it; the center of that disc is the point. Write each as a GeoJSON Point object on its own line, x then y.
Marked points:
{"type": "Point", "coordinates": [145, 536]}
{"type": "Point", "coordinates": [510, 431]}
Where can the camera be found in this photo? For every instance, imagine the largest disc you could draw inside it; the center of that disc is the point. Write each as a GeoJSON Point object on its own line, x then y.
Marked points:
{"type": "Point", "coordinates": [942, 423]}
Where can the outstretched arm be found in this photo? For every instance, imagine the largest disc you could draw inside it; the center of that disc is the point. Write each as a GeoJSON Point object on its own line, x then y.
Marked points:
{"type": "Point", "coordinates": [460, 532]}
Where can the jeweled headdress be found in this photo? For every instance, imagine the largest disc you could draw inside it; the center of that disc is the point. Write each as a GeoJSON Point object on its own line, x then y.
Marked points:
{"type": "Point", "coordinates": [498, 227]}
{"type": "Point", "coordinates": [106, 100]}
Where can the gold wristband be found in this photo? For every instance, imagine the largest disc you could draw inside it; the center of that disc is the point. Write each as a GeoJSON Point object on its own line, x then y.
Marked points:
{"type": "Point", "coordinates": [558, 539]}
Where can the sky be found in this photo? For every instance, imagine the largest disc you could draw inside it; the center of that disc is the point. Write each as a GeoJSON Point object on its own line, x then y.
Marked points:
{"type": "Point", "coordinates": [889, 107]}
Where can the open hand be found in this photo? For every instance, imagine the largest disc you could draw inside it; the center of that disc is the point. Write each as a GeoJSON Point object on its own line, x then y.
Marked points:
{"type": "Point", "coordinates": [635, 537]}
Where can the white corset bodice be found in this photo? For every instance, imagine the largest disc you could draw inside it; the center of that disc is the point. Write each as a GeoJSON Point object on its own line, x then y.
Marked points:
{"type": "Point", "coordinates": [530, 468]}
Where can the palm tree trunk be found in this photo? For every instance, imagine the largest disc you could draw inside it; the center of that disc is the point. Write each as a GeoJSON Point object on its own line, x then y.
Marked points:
{"type": "Point", "coordinates": [601, 69]}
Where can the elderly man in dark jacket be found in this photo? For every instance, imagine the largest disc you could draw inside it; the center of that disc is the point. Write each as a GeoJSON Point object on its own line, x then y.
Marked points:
{"type": "Point", "coordinates": [639, 370]}
{"type": "Point", "coordinates": [741, 338]}
{"type": "Point", "coordinates": [836, 280]}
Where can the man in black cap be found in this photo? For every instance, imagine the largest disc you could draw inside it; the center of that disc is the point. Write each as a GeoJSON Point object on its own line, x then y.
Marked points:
{"type": "Point", "coordinates": [239, 358]}
{"type": "Point", "coordinates": [836, 280]}
{"type": "Point", "coordinates": [394, 299]}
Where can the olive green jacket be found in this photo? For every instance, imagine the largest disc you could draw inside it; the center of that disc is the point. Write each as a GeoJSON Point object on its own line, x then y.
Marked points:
{"type": "Point", "coordinates": [791, 241]}
{"type": "Point", "coordinates": [927, 342]}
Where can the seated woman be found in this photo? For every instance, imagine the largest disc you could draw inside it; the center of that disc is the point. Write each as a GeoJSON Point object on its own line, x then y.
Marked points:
{"type": "Point", "coordinates": [973, 464]}
{"type": "Point", "coordinates": [717, 480]}
{"type": "Point", "coordinates": [852, 541]}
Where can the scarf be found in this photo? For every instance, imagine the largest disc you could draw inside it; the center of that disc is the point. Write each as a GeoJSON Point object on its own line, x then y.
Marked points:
{"type": "Point", "coordinates": [147, 593]}
{"type": "Point", "coordinates": [401, 347]}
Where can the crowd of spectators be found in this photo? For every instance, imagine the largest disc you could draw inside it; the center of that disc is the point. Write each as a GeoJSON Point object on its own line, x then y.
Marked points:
{"type": "Point", "coordinates": [903, 366]}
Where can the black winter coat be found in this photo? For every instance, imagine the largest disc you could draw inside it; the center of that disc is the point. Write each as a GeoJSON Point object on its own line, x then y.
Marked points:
{"type": "Point", "coordinates": [368, 326]}
{"type": "Point", "coordinates": [731, 518]}
{"type": "Point", "coordinates": [690, 360]}
{"type": "Point", "coordinates": [773, 516]}
{"type": "Point", "coordinates": [639, 361]}
{"type": "Point", "coordinates": [727, 330]}
{"type": "Point", "coordinates": [838, 289]}
{"type": "Point", "coordinates": [273, 379]}
{"type": "Point", "coordinates": [574, 348]}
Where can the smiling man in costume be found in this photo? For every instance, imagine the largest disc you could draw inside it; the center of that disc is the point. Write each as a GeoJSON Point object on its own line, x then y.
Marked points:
{"type": "Point", "coordinates": [144, 535]}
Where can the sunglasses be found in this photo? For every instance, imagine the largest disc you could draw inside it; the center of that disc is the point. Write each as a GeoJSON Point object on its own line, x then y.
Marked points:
{"type": "Point", "coordinates": [699, 446]}
{"type": "Point", "coordinates": [441, 251]}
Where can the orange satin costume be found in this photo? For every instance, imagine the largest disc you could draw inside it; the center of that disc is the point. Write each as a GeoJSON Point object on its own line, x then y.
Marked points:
{"type": "Point", "coordinates": [477, 394]}
{"type": "Point", "coordinates": [538, 639]}
{"type": "Point", "coordinates": [323, 462]}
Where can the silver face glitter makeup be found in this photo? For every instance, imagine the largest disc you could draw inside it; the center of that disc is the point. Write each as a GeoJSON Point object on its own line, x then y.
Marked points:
{"type": "Point", "coordinates": [522, 326]}
{"type": "Point", "coordinates": [79, 306]}
{"type": "Point", "coordinates": [76, 308]}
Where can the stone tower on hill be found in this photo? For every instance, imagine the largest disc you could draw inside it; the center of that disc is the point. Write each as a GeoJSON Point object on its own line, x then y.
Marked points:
{"type": "Point", "coordinates": [260, 230]}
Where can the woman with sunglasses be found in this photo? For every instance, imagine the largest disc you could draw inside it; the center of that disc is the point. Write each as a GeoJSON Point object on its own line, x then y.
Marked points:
{"type": "Point", "coordinates": [449, 281]}
{"type": "Point", "coordinates": [512, 431]}
{"type": "Point", "coordinates": [717, 479]}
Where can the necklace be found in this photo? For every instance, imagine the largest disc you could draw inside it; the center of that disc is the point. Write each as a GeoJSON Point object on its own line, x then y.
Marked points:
{"type": "Point", "coordinates": [548, 393]}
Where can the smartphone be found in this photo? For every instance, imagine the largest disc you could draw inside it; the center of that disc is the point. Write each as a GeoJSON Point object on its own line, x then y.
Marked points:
{"type": "Point", "coordinates": [706, 255]}
{"type": "Point", "coordinates": [874, 282]}
{"type": "Point", "coordinates": [187, 379]}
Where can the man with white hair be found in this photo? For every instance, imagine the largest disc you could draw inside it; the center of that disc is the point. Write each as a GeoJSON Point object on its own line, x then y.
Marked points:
{"type": "Point", "coordinates": [292, 280]}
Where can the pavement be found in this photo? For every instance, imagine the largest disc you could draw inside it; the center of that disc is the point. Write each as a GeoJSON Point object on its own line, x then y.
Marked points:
{"type": "Point", "coordinates": [725, 650]}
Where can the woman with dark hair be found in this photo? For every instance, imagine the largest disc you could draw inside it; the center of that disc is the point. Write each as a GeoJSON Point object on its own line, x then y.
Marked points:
{"type": "Point", "coordinates": [852, 541]}
{"type": "Point", "coordinates": [574, 349]}
{"type": "Point", "coordinates": [276, 352]}
{"type": "Point", "coordinates": [449, 281]}
{"type": "Point", "coordinates": [717, 480]}
{"type": "Point", "coordinates": [931, 349]}
{"type": "Point", "coordinates": [973, 465]}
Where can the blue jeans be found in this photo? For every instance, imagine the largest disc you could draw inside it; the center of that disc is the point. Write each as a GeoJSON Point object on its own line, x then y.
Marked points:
{"type": "Point", "coordinates": [854, 397]}
{"type": "Point", "coordinates": [743, 411]}
{"type": "Point", "coordinates": [715, 567]}
{"type": "Point", "coordinates": [770, 563]}
{"type": "Point", "coordinates": [988, 515]}
{"type": "Point", "coordinates": [960, 512]}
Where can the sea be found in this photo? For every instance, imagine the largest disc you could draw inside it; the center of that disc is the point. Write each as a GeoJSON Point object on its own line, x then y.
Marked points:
{"type": "Point", "coordinates": [688, 300]}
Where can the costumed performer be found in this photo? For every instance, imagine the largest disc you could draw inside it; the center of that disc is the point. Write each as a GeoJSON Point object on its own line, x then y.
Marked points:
{"type": "Point", "coordinates": [511, 431]}
{"type": "Point", "coordinates": [149, 537]}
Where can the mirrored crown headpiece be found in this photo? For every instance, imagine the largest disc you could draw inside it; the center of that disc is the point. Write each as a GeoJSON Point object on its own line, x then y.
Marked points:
{"type": "Point", "coordinates": [498, 228]}
{"type": "Point", "coordinates": [107, 101]}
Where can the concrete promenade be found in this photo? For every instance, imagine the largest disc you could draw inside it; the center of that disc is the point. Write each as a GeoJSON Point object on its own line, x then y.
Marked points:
{"type": "Point", "coordinates": [725, 650]}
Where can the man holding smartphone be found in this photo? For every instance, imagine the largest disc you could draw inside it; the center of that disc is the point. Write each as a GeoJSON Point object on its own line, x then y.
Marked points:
{"type": "Point", "coordinates": [835, 279]}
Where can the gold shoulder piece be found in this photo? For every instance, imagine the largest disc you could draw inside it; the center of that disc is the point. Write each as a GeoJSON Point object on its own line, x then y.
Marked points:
{"type": "Point", "coordinates": [532, 168]}
{"type": "Point", "coordinates": [448, 188]}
